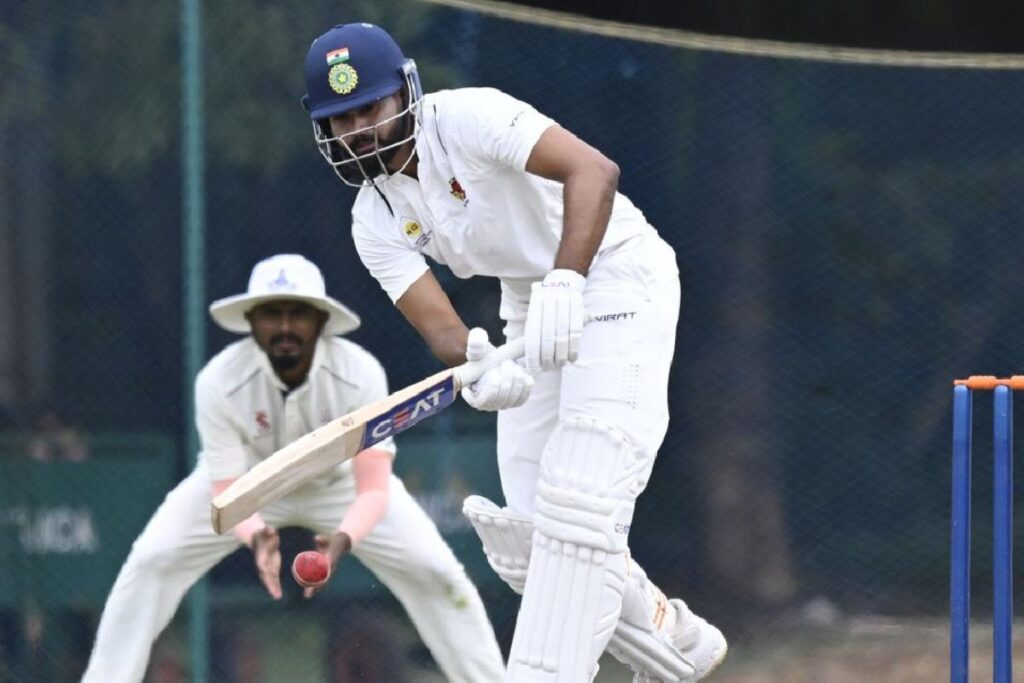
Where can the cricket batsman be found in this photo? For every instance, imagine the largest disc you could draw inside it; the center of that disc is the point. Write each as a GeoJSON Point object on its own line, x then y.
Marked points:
{"type": "Point", "coordinates": [485, 184]}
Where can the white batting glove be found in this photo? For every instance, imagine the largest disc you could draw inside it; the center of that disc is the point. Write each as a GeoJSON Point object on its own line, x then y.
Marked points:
{"type": "Point", "coordinates": [554, 320]}
{"type": "Point", "coordinates": [504, 386]}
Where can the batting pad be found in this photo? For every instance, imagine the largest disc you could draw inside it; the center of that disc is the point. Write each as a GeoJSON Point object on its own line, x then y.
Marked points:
{"type": "Point", "coordinates": [506, 538]}
{"type": "Point", "coordinates": [589, 479]}
{"type": "Point", "coordinates": [640, 640]}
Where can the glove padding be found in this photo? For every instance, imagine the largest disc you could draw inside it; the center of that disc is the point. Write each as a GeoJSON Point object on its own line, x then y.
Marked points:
{"type": "Point", "coordinates": [554, 320]}
{"type": "Point", "coordinates": [504, 386]}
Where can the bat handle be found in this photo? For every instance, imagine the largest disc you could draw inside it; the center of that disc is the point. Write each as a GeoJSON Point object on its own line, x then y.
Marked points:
{"type": "Point", "coordinates": [467, 373]}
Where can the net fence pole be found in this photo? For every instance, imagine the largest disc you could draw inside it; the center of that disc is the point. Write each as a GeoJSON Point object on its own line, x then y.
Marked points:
{"type": "Point", "coordinates": [194, 295]}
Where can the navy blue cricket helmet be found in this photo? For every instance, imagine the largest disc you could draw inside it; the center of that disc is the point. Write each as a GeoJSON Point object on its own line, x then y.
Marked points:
{"type": "Point", "coordinates": [349, 67]}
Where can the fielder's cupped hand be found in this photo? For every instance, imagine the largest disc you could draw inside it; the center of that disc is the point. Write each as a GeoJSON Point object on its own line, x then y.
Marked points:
{"type": "Point", "coordinates": [266, 551]}
{"type": "Point", "coordinates": [504, 386]}
{"type": "Point", "coordinates": [554, 320]}
{"type": "Point", "coordinates": [335, 546]}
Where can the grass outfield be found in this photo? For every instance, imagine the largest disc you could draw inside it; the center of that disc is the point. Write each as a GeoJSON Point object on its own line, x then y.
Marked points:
{"type": "Point", "coordinates": [860, 649]}
{"type": "Point", "coordinates": [878, 650]}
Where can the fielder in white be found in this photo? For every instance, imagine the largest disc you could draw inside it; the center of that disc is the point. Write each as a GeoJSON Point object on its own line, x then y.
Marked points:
{"type": "Point", "coordinates": [483, 183]}
{"type": "Point", "coordinates": [291, 375]}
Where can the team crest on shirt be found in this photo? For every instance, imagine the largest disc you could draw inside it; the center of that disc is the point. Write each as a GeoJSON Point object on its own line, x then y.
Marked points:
{"type": "Point", "coordinates": [457, 190]}
{"type": "Point", "coordinates": [414, 233]}
{"type": "Point", "coordinates": [262, 421]}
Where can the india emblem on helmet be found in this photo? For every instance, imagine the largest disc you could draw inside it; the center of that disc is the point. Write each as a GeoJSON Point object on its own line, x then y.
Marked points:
{"type": "Point", "coordinates": [343, 78]}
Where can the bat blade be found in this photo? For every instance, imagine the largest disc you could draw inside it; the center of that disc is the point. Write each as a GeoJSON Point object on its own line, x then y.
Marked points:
{"type": "Point", "coordinates": [341, 439]}
{"type": "Point", "coordinates": [325, 448]}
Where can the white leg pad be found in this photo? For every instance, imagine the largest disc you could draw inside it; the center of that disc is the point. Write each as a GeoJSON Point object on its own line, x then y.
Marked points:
{"type": "Point", "coordinates": [505, 536]}
{"type": "Point", "coordinates": [640, 640]}
{"type": "Point", "coordinates": [590, 476]}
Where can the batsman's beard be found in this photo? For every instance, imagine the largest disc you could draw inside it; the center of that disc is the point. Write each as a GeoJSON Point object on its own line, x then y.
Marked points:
{"type": "Point", "coordinates": [356, 169]}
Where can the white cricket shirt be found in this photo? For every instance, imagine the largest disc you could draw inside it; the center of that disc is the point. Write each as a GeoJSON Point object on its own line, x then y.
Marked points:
{"type": "Point", "coordinates": [474, 207]}
{"type": "Point", "coordinates": [244, 412]}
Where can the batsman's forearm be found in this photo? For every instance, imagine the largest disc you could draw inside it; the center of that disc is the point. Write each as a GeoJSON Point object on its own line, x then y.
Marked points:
{"type": "Point", "coordinates": [449, 344]}
{"type": "Point", "coordinates": [588, 197]}
{"type": "Point", "coordinates": [426, 306]}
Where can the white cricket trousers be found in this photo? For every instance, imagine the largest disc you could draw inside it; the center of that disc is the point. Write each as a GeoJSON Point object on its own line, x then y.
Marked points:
{"type": "Point", "coordinates": [621, 377]}
{"type": "Point", "coordinates": [607, 412]}
{"type": "Point", "coordinates": [404, 551]}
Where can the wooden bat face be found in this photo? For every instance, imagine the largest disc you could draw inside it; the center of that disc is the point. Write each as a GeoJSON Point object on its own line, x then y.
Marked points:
{"type": "Point", "coordinates": [343, 438]}
{"type": "Point", "coordinates": [325, 448]}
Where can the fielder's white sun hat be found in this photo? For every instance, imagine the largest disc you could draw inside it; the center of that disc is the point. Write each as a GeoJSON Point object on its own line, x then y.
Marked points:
{"type": "Point", "coordinates": [285, 276]}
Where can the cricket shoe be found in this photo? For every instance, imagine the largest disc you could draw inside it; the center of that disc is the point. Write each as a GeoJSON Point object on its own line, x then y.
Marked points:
{"type": "Point", "coordinates": [701, 643]}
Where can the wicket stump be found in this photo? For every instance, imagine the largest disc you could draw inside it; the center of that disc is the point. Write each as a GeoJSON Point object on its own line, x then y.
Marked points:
{"type": "Point", "coordinates": [1002, 501]}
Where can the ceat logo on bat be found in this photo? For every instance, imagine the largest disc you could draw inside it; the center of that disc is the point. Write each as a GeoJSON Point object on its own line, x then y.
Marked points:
{"type": "Point", "coordinates": [408, 413]}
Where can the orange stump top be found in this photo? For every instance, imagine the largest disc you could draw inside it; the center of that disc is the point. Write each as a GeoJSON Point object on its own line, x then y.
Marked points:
{"type": "Point", "coordinates": [991, 382]}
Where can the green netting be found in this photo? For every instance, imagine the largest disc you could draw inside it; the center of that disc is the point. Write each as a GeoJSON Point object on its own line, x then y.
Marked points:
{"type": "Point", "coordinates": [848, 235]}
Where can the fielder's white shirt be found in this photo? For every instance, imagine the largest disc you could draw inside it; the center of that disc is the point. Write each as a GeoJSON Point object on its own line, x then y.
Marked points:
{"type": "Point", "coordinates": [474, 207]}
{"type": "Point", "coordinates": [244, 412]}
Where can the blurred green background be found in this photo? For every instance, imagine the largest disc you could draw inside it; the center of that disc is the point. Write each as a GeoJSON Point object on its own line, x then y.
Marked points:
{"type": "Point", "coordinates": [849, 239]}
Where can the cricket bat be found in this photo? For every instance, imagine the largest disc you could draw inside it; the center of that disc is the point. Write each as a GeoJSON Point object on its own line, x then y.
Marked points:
{"type": "Point", "coordinates": [341, 439]}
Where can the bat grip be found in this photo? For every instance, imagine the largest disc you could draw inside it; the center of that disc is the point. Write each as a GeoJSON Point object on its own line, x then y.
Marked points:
{"type": "Point", "coordinates": [467, 373]}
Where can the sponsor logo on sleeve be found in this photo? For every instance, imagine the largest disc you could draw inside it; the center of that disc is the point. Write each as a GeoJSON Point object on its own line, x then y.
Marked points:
{"type": "Point", "coordinates": [421, 406]}
{"type": "Point", "coordinates": [414, 232]}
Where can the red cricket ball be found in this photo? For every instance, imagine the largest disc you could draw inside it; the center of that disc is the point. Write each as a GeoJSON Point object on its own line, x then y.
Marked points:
{"type": "Point", "coordinates": [310, 568]}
